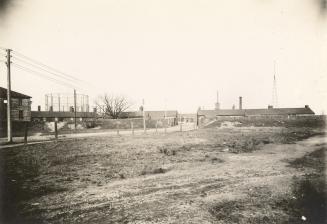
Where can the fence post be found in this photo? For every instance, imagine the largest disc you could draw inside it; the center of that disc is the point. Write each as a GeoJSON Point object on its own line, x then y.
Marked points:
{"type": "Point", "coordinates": [144, 126]}
{"type": "Point", "coordinates": [165, 125]}
{"type": "Point", "coordinates": [157, 126]}
{"type": "Point", "coordinates": [132, 127]}
{"type": "Point", "coordinates": [25, 132]}
{"type": "Point", "coordinates": [180, 126]}
{"type": "Point", "coordinates": [56, 130]}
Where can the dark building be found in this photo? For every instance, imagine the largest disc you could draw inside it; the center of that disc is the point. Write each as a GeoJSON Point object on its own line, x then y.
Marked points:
{"type": "Point", "coordinates": [20, 106]}
{"type": "Point", "coordinates": [20, 111]}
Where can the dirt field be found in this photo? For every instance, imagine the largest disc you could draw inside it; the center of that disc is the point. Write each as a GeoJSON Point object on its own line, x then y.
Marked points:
{"type": "Point", "coordinates": [211, 175]}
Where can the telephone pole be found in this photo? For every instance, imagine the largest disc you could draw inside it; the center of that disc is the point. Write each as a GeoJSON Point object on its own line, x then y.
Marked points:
{"type": "Point", "coordinates": [9, 128]}
{"type": "Point", "coordinates": [144, 124]}
{"type": "Point", "coordinates": [75, 108]}
{"type": "Point", "coordinates": [274, 93]}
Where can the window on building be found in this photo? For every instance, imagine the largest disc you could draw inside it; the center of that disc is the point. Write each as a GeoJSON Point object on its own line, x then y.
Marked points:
{"type": "Point", "coordinates": [21, 116]}
{"type": "Point", "coordinates": [20, 102]}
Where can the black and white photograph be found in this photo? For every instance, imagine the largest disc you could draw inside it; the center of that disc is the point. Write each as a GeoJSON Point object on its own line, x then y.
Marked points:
{"type": "Point", "coordinates": [163, 111]}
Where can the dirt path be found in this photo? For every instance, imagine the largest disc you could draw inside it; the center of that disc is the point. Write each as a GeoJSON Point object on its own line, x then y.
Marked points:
{"type": "Point", "coordinates": [189, 192]}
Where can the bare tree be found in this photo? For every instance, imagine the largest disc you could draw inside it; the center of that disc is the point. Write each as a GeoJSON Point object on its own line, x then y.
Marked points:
{"type": "Point", "coordinates": [110, 105]}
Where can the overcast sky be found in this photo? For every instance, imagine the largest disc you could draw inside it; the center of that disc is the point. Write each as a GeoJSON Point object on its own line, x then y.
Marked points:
{"type": "Point", "coordinates": [175, 51]}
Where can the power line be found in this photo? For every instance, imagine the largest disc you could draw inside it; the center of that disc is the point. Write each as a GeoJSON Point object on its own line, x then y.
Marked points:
{"type": "Point", "coordinates": [40, 64]}
{"type": "Point", "coordinates": [46, 66]}
{"type": "Point", "coordinates": [45, 70]}
{"type": "Point", "coordinates": [30, 71]}
{"type": "Point", "coordinates": [42, 76]}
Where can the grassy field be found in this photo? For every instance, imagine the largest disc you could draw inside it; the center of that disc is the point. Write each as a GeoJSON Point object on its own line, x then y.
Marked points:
{"type": "Point", "coordinates": [211, 175]}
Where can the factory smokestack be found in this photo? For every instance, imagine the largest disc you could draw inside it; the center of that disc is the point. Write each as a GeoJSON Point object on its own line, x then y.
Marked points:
{"type": "Point", "coordinates": [240, 103]}
{"type": "Point", "coordinates": [217, 104]}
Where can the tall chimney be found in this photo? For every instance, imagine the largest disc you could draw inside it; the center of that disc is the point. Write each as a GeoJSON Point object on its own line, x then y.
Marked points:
{"type": "Point", "coordinates": [240, 103]}
{"type": "Point", "coordinates": [217, 104]}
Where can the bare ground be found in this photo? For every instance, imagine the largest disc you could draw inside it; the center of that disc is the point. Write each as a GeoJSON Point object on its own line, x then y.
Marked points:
{"type": "Point", "coordinates": [214, 175]}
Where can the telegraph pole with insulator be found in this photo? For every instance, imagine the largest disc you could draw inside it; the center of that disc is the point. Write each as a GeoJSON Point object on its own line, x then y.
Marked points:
{"type": "Point", "coordinates": [75, 105]}
{"type": "Point", "coordinates": [144, 124]}
{"type": "Point", "coordinates": [9, 123]}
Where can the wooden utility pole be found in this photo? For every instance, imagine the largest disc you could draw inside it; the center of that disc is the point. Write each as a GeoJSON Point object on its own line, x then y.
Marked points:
{"type": "Point", "coordinates": [75, 109]}
{"type": "Point", "coordinates": [56, 128]}
{"type": "Point", "coordinates": [58, 102]}
{"type": "Point", "coordinates": [144, 125]}
{"type": "Point", "coordinates": [165, 116]}
{"type": "Point", "coordinates": [25, 132]}
{"type": "Point", "coordinates": [51, 103]}
{"type": "Point", "coordinates": [9, 128]}
{"type": "Point", "coordinates": [132, 127]}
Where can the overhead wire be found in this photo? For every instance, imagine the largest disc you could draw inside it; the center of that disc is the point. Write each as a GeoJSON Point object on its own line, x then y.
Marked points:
{"type": "Point", "coordinates": [30, 71]}
{"type": "Point", "coordinates": [42, 70]}
{"type": "Point", "coordinates": [45, 70]}
{"type": "Point", "coordinates": [40, 64]}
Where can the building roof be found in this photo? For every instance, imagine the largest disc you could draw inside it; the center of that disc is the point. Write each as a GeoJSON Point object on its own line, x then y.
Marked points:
{"type": "Point", "coordinates": [253, 112]}
{"type": "Point", "coordinates": [150, 114]}
{"type": "Point", "coordinates": [213, 113]}
{"type": "Point", "coordinates": [130, 114]}
{"type": "Point", "coordinates": [279, 111]}
{"type": "Point", "coordinates": [161, 114]}
{"type": "Point", "coordinates": [188, 115]}
{"type": "Point", "coordinates": [61, 114]}
{"type": "Point", "coordinates": [3, 94]}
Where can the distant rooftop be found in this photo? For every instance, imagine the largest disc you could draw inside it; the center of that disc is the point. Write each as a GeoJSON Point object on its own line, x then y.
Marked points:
{"type": "Point", "coordinates": [252, 112]}
{"type": "Point", "coordinates": [152, 114]}
{"type": "Point", "coordinates": [3, 94]}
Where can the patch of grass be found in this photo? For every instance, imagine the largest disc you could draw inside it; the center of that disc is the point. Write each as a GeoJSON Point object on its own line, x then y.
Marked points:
{"type": "Point", "coordinates": [19, 183]}
{"type": "Point", "coordinates": [309, 191]}
{"type": "Point", "coordinates": [216, 160]}
{"type": "Point", "coordinates": [149, 170]}
{"type": "Point", "coordinates": [32, 165]}
{"type": "Point", "coordinates": [244, 145]}
{"type": "Point", "coordinates": [168, 151]}
{"type": "Point", "coordinates": [310, 195]}
{"type": "Point", "coordinates": [61, 159]}
{"type": "Point", "coordinates": [315, 160]}
{"type": "Point", "coordinates": [257, 207]}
